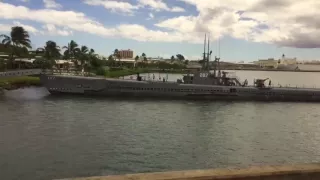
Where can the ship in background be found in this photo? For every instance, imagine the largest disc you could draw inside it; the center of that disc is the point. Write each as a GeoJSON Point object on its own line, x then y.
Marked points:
{"type": "Point", "coordinates": [200, 84]}
{"type": "Point", "coordinates": [288, 64]}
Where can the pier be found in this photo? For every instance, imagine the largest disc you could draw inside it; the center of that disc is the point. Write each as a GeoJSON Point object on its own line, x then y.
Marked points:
{"type": "Point", "coordinates": [285, 172]}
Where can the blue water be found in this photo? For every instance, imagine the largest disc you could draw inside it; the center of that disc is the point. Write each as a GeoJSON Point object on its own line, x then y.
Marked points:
{"type": "Point", "coordinates": [45, 137]}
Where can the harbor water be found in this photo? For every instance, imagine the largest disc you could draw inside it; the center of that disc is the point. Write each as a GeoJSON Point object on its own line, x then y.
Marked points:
{"type": "Point", "coordinates": [48, 137]}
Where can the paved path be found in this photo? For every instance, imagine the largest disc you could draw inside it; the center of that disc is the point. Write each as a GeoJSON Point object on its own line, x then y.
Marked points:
{"type": "Point", "coordinates": [285, 172]}
{"type": "Point", "coordinates": [22, 72]}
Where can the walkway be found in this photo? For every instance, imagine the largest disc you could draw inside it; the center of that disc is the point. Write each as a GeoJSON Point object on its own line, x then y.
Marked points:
{"type": "Point", "coordinates": [291, 172]}
{"type": "Point", "coordinates": [22, 72]}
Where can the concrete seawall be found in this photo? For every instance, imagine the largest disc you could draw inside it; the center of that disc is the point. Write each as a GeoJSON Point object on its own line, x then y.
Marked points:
{"type": "Point", "coordinates": [288, 172]}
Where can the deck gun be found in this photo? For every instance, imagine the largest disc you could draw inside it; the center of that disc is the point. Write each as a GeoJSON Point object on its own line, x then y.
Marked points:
{"type": "Point", "coordinates": [260, 82]}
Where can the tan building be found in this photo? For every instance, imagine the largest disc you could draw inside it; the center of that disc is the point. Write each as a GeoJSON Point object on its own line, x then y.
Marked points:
{"type": "Point", "coordinates": [267, 63]}
{"type": "Point", "coordinates": [126, 54]}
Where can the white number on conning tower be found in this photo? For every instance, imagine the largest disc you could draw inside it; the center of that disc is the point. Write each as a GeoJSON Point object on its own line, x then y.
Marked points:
{"type": "Point", "coordinates": [203, 74]}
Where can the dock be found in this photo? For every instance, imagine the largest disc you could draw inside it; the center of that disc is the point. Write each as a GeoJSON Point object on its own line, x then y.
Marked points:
{"type": "Point", "coordinates": [284, 172]}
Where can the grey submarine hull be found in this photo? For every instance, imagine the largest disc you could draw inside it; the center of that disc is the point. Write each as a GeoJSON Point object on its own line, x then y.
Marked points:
{"type": "Point", "coordinates": [118, 88]}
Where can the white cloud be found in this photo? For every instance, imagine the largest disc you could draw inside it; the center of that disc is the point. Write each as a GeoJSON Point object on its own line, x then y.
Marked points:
{"type": "Point", "coordinates": [159, 5]}
{"type": "Point", "coordinates": [47, 29]}
{"type": "Point", "coordinates": [184, 24]}
{"type": "Point", "coordinates": [26, 27]}
{"type": "Point", "coordinates": [151, 16]}
{"type": "Point", "coordinates": [51, 4]}
{"type": "Point", "coordinates": [50, 29]}
{"type": "Point", "coordinates": [122, 6]}
{"type": "Point", "coordinates": [113, 5]}
{"type": "Point", "coordinates": [177, 9]}
{"type": "Point", "coordinates": [24, 0]}
{"type": "Point", "coordinates": [7, 27]}
{"type": "Point", "coordinates": [282, 22]}
{"type": "Point", "coordinates": [77, 21]}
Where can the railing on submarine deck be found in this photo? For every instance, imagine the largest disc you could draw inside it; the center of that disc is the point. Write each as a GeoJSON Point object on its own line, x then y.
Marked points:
{"type": "Point", "coordinates": [159, 78]}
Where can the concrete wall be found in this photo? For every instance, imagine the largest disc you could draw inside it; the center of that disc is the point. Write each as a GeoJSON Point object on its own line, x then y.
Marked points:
{"type": "Point", "coordinates": [291, 172]}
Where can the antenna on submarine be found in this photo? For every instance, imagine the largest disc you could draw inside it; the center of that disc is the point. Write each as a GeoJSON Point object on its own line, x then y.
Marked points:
{"type": "Point", "coordinates": [204, 47]}
{"type": "Point", "coordinates": [208, 53]}
{"type": "Point", "coordinates": [204, 51]}
{"type": "Point", "coordinates": [218, 59]}
{"type": "Point", "coordinates": [219, 45]}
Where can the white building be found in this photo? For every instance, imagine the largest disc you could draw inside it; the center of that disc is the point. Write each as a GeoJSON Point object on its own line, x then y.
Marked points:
{"type": "Point", "coordinates": [267, 63]}
{"type": "Point", "coordinates": [288, 61]}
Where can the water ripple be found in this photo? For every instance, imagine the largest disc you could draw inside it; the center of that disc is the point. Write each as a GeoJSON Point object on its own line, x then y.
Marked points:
{"type": "Point", "coordinates": [66, 137]}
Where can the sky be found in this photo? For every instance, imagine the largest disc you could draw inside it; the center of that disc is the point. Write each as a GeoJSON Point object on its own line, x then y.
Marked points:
{"type": "Point", "coordinates": [239, 30]}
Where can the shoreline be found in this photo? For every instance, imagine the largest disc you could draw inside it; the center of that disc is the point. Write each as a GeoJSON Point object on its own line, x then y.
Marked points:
{"type": "Point", "coordinates": [277, 70]}
{"type": "Point", "coordinates": [182, 71]}
{"type": "Point", "coordinates": [13, 83]}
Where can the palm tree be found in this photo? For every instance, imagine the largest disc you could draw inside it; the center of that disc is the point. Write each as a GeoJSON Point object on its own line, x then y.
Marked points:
{"type": "Point", "coordinates": [172, 59]}
{"type": "Point", "coordinates": [111, 61]}
{"type": "Point", "coordinates": [82, 55]}
{"type": "Point", "coordinates": [19, 37]}
{"type": "Point", "coordinates": [136, 60]}
{"type": "Point", "coordinates": [51, 52]}
{"type": "Point", "coordinates": [91, 56]}
{"type": "Point", "coordinates": [71, 53]}
{"type": "Point", "coordinates": [180, 57]}
{"type": "Point", "coordinates": [116, 54]}
{"type": "Point", "coordinates": [71, 50]}
{"type": "Point", "coordinates": [144, 57]}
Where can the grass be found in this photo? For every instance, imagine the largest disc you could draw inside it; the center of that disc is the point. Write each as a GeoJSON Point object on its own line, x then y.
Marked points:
{"type": "Point", "coordinates": [18, 82]}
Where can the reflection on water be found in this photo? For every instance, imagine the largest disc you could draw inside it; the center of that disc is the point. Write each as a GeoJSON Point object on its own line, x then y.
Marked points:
{"type": "Point", "coordinates": [47, 137]}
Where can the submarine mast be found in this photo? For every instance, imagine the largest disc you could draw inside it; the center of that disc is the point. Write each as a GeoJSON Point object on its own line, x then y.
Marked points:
{"type": "Point", "coordinates": [204, 52]}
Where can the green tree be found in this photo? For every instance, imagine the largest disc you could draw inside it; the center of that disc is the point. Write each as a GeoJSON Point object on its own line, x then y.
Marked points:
{"type": "Point", "coordinates": [180, 57]}
{"type": "Point", "coordinates": [90, 61]}
{"type": "Point", "coordinates": [19, 37]}
{"type": "Point", "coordinates": [83, 56]}
{"type": "Point", "coordinates": [71, 50]}
{"type": "Point", "coordinates": [116, 54]}
{"type": "Point", "coordinates": [111, 61]}
{"type": "Point", "coordinates": [51, 52]}
{"type": "Point", "coordinates": [136, 58]}
{"type": "Point", "coordinates": [172, 59]}
{"type": "Point", "coordinates": [2, 64]}
{"type": "Point", "coordinates": [144, 56]}
{"type": "Point", "coordinates": [72, 53]}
